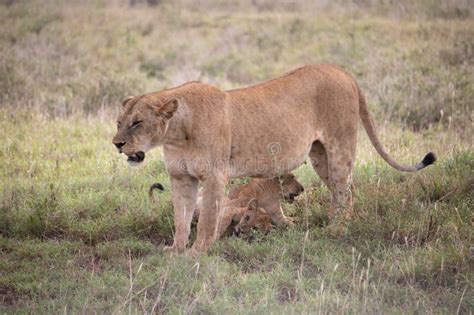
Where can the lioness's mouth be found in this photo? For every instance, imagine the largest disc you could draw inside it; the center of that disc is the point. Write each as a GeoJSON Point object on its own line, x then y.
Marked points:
{"type": "Point", "coordinates": [136, 157]}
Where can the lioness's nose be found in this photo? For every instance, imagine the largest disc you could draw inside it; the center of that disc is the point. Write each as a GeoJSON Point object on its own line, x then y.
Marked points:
{"type": "Point", "coordinates": [119, 144]}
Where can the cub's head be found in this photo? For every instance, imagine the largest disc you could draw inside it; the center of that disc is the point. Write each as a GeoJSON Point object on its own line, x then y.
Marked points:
{"type": "Point", "coordinates": [253, 218]}
{"type": "Point", "coordinates": [142, 125]}
{"type": "Point", "coordinates": [290, 187]}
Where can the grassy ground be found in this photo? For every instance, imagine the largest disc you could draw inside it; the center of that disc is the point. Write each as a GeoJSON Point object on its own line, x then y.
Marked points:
{"type": "Point", "coordinates": [79, 234]}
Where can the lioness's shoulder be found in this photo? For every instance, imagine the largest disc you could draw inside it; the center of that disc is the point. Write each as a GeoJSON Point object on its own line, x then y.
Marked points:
{"type": "Point", "coordinates": [198, 94]}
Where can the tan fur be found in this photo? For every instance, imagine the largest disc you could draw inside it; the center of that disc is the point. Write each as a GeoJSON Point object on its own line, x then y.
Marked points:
{"type": "Point", "coordinates": [209, 135]}
{"type": "Point", "coordinates": [241, 221]}
{"type": "Point", "coordinates": [267, 192]}
{"type": "Point", "coordinates": [253, 218]}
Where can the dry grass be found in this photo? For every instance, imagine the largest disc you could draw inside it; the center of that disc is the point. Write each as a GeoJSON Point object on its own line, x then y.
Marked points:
{"type": "Point", "coordinates": [79, 234]}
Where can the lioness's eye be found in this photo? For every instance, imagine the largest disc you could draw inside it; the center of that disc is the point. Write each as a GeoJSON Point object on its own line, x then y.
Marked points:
{"type": "Point", "coordinates": [136, 123]}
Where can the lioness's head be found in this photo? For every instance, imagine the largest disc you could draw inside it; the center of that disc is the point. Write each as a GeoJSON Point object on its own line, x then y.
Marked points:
{"type": "Point", "coordinates": [290, 187]}
{"type": "Point", "coordinates": [253, 218]}
{"type": "Point", "coordinates": [142, 125]}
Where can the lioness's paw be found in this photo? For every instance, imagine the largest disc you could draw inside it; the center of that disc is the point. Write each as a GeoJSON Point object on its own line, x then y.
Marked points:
{"type": "Point", "coordinates": [337, 231]}
{"type": "Point", "coordinates": [194, 253]}
{"type": "Point", "coordinates": [338, 228]}
{"type": "Point", "coordinates": [340, 214]}
{"type": "Point", "coordinates": [171, 250]}
{"type": "Point", "coordinates": [198, 250]}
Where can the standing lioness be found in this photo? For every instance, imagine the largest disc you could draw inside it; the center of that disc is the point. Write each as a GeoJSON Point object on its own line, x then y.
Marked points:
{"type": "Point", "coordinates": [209, 135]}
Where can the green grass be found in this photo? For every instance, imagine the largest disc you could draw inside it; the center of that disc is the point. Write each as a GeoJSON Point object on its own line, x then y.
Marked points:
{"type": "Point", "coordinates": [78, 232]}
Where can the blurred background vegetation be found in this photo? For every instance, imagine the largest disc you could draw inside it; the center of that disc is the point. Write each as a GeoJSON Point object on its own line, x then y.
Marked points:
{"type": "Point", "coordinates": [414, 59]}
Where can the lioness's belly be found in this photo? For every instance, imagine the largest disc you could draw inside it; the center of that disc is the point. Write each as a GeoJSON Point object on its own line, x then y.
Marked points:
{"type": "Point", "coordinates": [265, 153]}
{"type": "Point", "coordinates": [264, 166]}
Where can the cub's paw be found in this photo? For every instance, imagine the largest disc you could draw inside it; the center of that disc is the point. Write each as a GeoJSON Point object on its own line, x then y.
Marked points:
{"type": "Point", "coordinates": [286, 222]}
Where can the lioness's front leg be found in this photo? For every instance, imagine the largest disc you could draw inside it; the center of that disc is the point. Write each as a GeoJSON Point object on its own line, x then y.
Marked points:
{"type": "Point", "coordinates": [225, 220]}
{"type": "Point", "coordinates": [184, 192]}
{"type": "Point", "coordinates": [213, 193]}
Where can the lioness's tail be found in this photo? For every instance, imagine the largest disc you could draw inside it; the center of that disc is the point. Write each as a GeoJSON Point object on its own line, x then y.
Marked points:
{"type": "Point", "coordinates": [429, 158]}
{"type": "Point", "coordinates": [153, 187]}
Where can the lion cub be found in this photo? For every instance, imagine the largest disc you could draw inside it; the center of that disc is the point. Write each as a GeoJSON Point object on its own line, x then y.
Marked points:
{"type": "Point", "coordinates": [241, 221]}
{"type": "Point", "coordinates": [269, 192]}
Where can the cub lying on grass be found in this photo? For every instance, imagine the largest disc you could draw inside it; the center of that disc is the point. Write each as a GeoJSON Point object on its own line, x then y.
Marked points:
{"type": "Point", "coordinates": [242, 221]}
{"type": "Point", "coordinates": [269, 192]}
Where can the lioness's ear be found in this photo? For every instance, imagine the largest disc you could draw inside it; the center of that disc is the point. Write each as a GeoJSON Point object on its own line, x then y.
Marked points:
{"type": "Point", "coordinates": [169, 108]}
{"type": "Point", "coordinates": [125, 101]}
{"type": "Point", "coordinates": [253, 204]}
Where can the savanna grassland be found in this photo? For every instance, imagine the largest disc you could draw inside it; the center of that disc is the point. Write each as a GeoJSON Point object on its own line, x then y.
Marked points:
{"type": "Point", "coordinates": [78, 232]}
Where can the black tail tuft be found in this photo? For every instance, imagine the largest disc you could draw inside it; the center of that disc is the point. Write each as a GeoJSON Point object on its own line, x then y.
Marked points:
{"type": "Point", "coordinates": [160, 187]}
{"type": "Point", "coordinates": [153, 187]}
{"type": "Point", "coordinates": [429, 159]}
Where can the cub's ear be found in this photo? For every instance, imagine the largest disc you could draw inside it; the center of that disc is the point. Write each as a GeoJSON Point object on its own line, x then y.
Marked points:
{"type": "Point", "coordinates": [168, 109]}
{"type": "Point", "coordinates": [125, 101]}
{"type": "Point", "coordinates": [253, 204]}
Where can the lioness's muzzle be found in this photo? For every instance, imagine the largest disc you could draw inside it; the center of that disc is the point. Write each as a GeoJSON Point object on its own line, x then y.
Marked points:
{"type": "Point", "coordinates": [137, 157]}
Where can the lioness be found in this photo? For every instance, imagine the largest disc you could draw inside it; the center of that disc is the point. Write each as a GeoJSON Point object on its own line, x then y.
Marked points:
{"type": "Point", "coordinates": [209, 135]}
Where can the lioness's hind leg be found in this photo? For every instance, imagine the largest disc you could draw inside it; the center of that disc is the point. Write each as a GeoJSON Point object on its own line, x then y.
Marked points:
{"type": "Point", "coordinates": [319, 161]}
{"type": "Point", "coordinates": [341, 163]}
